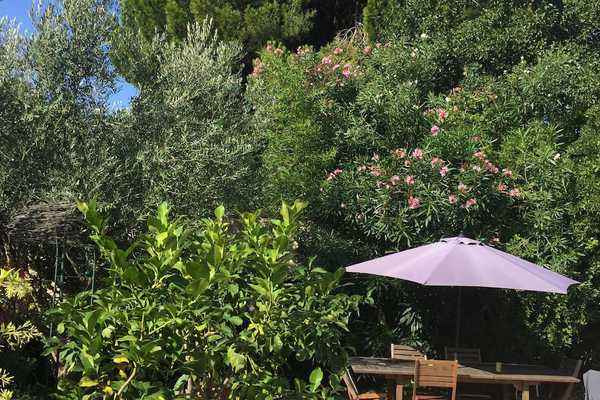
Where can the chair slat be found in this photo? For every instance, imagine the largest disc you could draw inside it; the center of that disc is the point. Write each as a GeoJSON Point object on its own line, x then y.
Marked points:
{"type": "Point", "coordinates": [435, 374]}
{"type": "Point", "coordinates": [403, 352]}
{"type": "Point", "coordinates": [463, 355]}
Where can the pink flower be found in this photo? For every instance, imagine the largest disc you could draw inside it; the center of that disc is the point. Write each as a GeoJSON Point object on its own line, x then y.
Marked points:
{"type": "Point", "coordinates": [417, 153]}
{"type": "Point", "coordinates": [476, 168]}
{"type": "Point", "coordinates": [407, 163]}
{"type": "Point", "coordinates": [346, 71]}
{"type": "Point", "coordinates": [367, 50]}
{"type": "Point", "coordinates": [556, 157]}
{"type": "Point", "coordinates": [375, 157]}
{"type": "Point", "coordinates": [278, 51]}
{"type": "Point", "coordinates": [362, 168]}
{"type": "Point", "coordinates": [410, 180]}
{"type": "Point", "coordinates": [259, 68]}
{"type": "Point", "coordinates": [462, 187]}
{"type": "Point", "coordinates": [491, 167]}
{"type": "Point", "coordinates": [375, 170]}
{"type": "Point", "coordinates": [442, 114]}
{"type": "Point", "coordinates": [435, 130]}
{"type": "Point", "coordinates": [394, 180]}
{"type": "Point", "coordinates": [333, 174]}
{"type": "Point", "coordinates": [444, 171]}
{"type": "Point", "coordinates": [413, 202]}
{"type": "Point", "coordinates": [378, 45]}
{"type": "Point", "coordinates": [514, 193]}
{"type": "Point", "coordinates": [507, 172]}
{"type": "Point", "coordinates": [479, 154]}
{"type": "Point", "coordinates": [327, 60]}
{"type": "Point", "coordinates": [400, 153]}
{"type": "Point", "coordinates": [452, 199]}
{"type": "Point", "coordinates": [335, 67]}
{"type": "Point", "coordinates": [269, 47]}
{"type": "Point", "coordinates": [338, 51]}
{"type": "Point", "coordinates": [501, 187]}
{"type": "Point", "coordinates": [471, 202]}
{"type": "Point", "coordinates": [435, 161]}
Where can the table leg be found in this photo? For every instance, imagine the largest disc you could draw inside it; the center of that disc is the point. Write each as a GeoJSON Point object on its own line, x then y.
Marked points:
{"type": "Point", "coordinates": [525, 393]}
{"type": "Point", "coordinates": [399, 391]}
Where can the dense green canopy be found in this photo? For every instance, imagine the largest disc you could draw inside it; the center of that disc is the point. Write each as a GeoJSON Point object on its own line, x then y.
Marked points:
{"type": "Point", "coordinates": [430, 119]}
{"type": "Point", "coordinates": [450, 118]}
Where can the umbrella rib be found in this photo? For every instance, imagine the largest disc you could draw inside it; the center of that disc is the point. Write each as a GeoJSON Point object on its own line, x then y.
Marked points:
{"type": "Point", "coordinates": [440, 263]}
{"type": "Point", "coordinates": [508, 257]}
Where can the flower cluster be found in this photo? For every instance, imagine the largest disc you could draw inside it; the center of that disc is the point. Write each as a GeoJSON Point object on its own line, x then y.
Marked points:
{"type": "Point", "coordinates": [406, 180]}
{"type": "Point", "coordinates": [275, 50]}
{"type": "Point", "coordinates": [334, 174]}
{"type": "Point", "coordinates": [259, 68]}
{"type": "Point", "coordinates": [440, 117]}
{"type": "Point", "coordinates": [332, 63]}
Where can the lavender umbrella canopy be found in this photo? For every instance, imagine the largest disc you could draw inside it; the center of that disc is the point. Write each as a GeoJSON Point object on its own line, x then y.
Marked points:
{"type": "Point", "coordinates": [460, 261]}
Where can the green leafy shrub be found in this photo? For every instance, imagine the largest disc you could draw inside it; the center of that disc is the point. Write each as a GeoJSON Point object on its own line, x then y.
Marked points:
{"type": "Point", "coordinates": [15, 330]}
{"type": "Point", "coordinates": [217, 309]}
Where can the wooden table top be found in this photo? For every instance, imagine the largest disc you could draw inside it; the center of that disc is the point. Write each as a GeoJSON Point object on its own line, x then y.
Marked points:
{"type": "Point", "coordinates": [473, 373]}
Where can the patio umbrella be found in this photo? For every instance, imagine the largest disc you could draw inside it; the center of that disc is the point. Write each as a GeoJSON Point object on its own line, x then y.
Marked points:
{"type": "Point", "coordinates": [460, 261]}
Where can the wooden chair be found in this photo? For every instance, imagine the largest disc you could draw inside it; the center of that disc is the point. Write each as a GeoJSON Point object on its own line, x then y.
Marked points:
{"type": "Point", "coordinates": [435, 374]}
{"type": "Point", "coordinates": [402, 352]}
{"type": "Point", "coordinates": [563, 392]}
{"type": "Point", "coordinates": [466, 356]}
{"type": "Point", "coordinates": [463, 355]}
{"type": "Point", "coordinates": [352, 390]}
{"type": "Point", "coordinates": [574, 368]}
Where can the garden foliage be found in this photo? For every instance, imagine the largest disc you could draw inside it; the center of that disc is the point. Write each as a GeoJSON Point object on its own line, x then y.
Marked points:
{"type": "Point", "coordinates": [446, 122]}
{"type": "Point", "coordinates": [15, 330]}
{"type": "Point", "coordinates": [217, 308]}
{"type": "Point", "coordinates": [431, 119]}
{"type": "Point", "coordinates": [250, 23]}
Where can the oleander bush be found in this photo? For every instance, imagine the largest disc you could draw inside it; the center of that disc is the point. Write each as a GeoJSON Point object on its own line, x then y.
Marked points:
{"type": "Point", "coordinates": [404, 136]}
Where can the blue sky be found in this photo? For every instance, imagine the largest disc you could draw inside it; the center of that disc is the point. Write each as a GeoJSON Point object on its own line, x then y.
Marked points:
{"type": "Point", "coordinates": [19, 10]}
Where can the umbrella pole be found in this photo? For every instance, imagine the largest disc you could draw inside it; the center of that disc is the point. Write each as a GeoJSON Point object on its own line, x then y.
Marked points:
{"type": "Point", "coordinates": [458, 313]}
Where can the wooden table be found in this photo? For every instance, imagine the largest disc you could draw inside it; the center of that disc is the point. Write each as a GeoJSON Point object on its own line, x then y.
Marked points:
{"type": "Point", "coordinates": [400, 372]}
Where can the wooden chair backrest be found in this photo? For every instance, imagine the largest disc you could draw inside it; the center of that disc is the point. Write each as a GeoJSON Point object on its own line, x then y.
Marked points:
{"type": "Point", "coordinates": [463, 355]}
{"type": "Point", "coordinates": [572, 367]}
{"type": "Point", "coordinates": [435, 374]}
{"type": "Point", "coordinates": [402, 352]}
{"type": "Point", "coordinates": [350, 385]}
